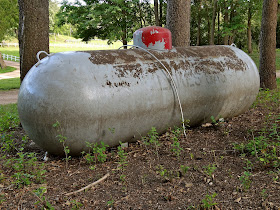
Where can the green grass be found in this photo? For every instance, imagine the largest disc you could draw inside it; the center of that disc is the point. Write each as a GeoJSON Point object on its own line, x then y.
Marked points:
{"type": "Point", "coordinates": [8, 84]}
{"type": "Point", "coordinates": [8, 117]}
{"type": "Point", "coordinates": [7, 69]}
{"type": "Point", "coordinates": [256, 58]}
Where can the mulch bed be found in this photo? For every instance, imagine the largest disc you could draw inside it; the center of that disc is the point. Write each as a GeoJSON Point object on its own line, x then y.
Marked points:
{"type": "Point", "coordinates": [143, 186]}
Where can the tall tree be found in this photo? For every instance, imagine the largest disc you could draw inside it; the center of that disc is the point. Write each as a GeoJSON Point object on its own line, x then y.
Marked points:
{"type": "Point", "coordinates": [178, 21]}
{"type": "Point", "coordinates": [214, 14]}
{"type": "Point", "coordinates": [268, 44]}
{"type": "Point", "coordinates": [198, 35]}
{"type": "Point", "coordinates": [156, 12]}
{"type": "Point", "coordinates": [249, 28]}
{"type": "Point", "coordinates": [33, 32]}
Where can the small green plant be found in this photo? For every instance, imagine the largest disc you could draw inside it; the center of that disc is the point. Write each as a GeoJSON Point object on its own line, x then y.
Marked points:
{"type": "Point", "coordinates": [122, 156]}
{"type": "Point", "coordinates": [191, 156]}
{"type": "Point", "coordinates": [27, 169]}
{"type": "Point", "coordinates": [209, 169]}
{"type": "Point", "coordinates": [123, 178]}
{"type": "Point", "coordinates": [184, 169]}
{"type": "Point", "coordinates": [263, 194]}
{"type": "Point", "coordinates": [152, 139]}
{"type": "Point", "coordinates": [214, 121]}
{"type": "Point", "coordinates": [22, 179]}
{"type": "Point", "coordinates": [167, 175]}
{"type": "Point", "coordinates": [2, 198]}
{"type": "Point", "coordinates": [208, 201]}
{"type": "Point", "coordinates": [98, 152]}
{"type": "Point", "coordinates": [42, 199]}
{"type": "Point", "coordinates": [62, 139]}
{"type": "Point", "coordinates": [175, 146]}
{"type": "Point", "coordinates": [249, 165]}
{"type": "Point", "coordinates": [75, 205]}
{"type": "Point", "coordinates": [110, 203]}
{"type": "Point", "coordinates": [245, 180]}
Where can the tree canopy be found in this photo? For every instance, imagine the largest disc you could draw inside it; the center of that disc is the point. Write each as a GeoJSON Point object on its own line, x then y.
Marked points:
{"type": "Point", "coordinates": [108, 19]}
{"type": "Point", "coordinates": [8, 17]}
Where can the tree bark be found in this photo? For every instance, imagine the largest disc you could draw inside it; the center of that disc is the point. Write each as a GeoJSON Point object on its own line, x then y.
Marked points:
{"type": "Point", "coordinates": [178, 21]}
{"type": "Point", "coordinates": [156, 12]}
{"type": "Point", "coordinates": [249, 30]}
{"type": "Point", "coordinates": [33, 33]}
{"type": "Point", "coordinates": [198, 35]}
{"type": "Point", "coordinates": [160, 12]}
{"type": "Point", "coordinates": [226, 22]}
{"type": "Point", "coordinates": [2, 62]}
{"type": "Point", "coordinates": [219, 25]}
{"type": "Point", "coordinates": [268, 45]}
{"type": "Point", "coordinates": [214, 14]}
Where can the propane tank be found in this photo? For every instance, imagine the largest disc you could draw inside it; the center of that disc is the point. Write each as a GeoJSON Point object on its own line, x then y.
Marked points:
{"type": "Point", "coordinates": [118, 95]}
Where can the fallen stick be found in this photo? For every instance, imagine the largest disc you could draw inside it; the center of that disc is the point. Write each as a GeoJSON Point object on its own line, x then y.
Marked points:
{"type": "Point", "coordinates": [90, 185]}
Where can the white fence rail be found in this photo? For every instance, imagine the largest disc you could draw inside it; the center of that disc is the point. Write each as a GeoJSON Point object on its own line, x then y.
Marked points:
{"type": "Point", "coordinates": [10, 57]}
{"type": "Point", "coordinates": [8, 44]}
{"type": "Point", "coordinates": [78, 45]}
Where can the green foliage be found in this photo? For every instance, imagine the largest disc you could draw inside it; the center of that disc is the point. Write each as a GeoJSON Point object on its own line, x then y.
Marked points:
{"type": "Point", "coordinates": [208, 201]}
{"type": "Point", "coordinates": [266, 146]}
{"type": "Point", "coordinates": [122, 156]}
{"type": "Point", "coordinates": [42, 199]}
{"type": "Point", "coordinates": [75, 205]}
{"type": "Point", "coordinates": [209, 169]}
{"type": "Point", "coordinates": [8, 117]}
{"type": "Point", "coordinates": [110, 203]}
{"type": "Point", "coordinates": [112, 20]}
{"type": "Point", "coordinates": [8, 84]}
{"type": "Point", "coordinates": [152, 138]}
{"type": "Point", "coordinates": [245, 180]}
{"type": "Point", "coordinates": [9, 17]}
{"type": "Point", "coordinates": [184, 169]}
{"type": "Point", "coordinates": [7, 69]}
{"type": "Point", "coordinates": [98, 151]}
{"type": "Point", "coordinates": [175, 146]}
{"type": "Point", "coordinates": [62, 139]}
{"type": "Point", "coordinates": [27, 169]}
{"type": "Point", "coordinates": [231, 21]}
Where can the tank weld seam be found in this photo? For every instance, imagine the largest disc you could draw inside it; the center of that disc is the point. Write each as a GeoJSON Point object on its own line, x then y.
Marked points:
{"type": "Point", "coordinates": [172, 81]}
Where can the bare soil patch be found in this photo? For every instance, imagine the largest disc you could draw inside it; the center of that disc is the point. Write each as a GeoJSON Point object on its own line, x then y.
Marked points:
{"type": "Point", "coordinates": [9, 97]}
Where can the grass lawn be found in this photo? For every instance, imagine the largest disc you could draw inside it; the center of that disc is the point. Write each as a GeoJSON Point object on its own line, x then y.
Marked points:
{"type": "Point", "coordinates": [8, 84]}
{"type": "Point", "coordinates": [7, 69]}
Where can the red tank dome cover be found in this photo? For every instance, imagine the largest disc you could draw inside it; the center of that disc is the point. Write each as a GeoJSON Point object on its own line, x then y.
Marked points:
{"type": "Point", "coordinates": [153, 37]}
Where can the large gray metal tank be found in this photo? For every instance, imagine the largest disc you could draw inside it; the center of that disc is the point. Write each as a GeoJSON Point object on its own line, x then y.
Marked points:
{"type": "Point", "coordinates": [118, 95]}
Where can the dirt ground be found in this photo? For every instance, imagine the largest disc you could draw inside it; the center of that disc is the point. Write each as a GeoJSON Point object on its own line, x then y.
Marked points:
{"type": "Point", "coordinates": [9, 97]}
{"type": "Point", "coordinates": [209, 172]}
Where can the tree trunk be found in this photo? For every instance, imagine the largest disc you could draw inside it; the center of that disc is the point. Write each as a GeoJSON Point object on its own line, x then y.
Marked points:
{"type": "Point", "coordinates": [268, 45]}
{"type": "Point", "coordinates": [214, 14]}
{"type": "Point", "coordinates": [156, 12]}
{"type": "Point", "coordinates": [219, 26]}
{"type": "Point", "coordinates": [226, 22]}
{"type": "Point", "coordinates": [33, 32]}
{"type": "Point", "coordinates": [178, 21]}
{"type": "Point", "coordinates": [249, 30]}
{"type": "Point", "coordinates": [160, 12]}
{"type": "Point", "coordinates": [2, 62]}
{"type": "Point", "coordinates": [198, 35]}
